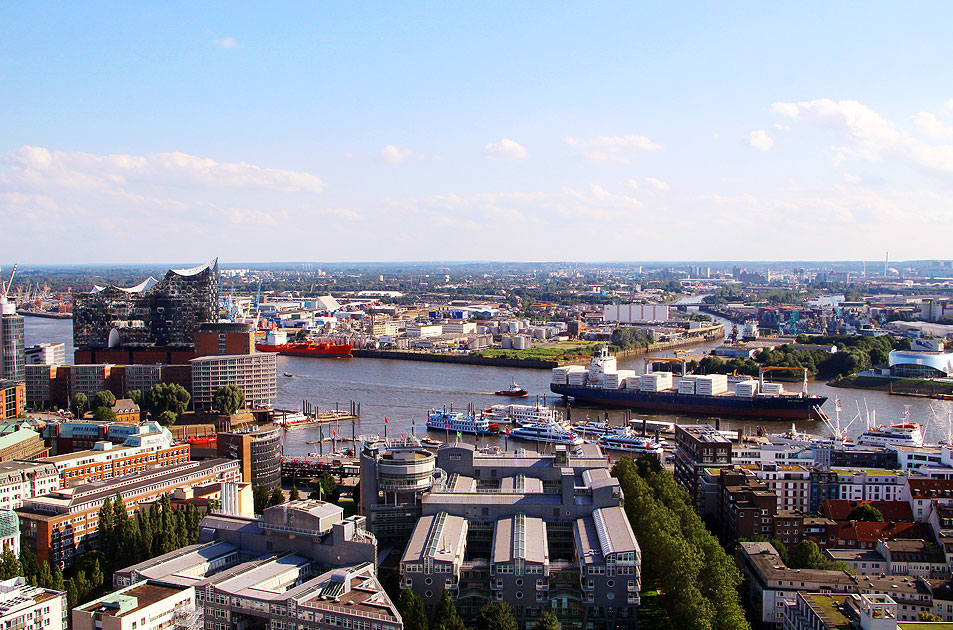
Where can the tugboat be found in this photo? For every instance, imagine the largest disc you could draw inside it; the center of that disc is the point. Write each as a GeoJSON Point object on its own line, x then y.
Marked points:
{"type": "Point", "coordinates": [515, 391]}
{"type": "Point", "coordinates": [288, 374]}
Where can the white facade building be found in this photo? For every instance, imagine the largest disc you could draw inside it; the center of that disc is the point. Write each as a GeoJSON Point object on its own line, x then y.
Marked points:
{"type": "Point", "coordinates": [631, 313]}
{"type": "Point", "coordinates": [31, 608]}
{"type": "Point", "coordinates": [255, 374]}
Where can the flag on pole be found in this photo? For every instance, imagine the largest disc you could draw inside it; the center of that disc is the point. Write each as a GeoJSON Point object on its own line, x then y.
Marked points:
{"type": "Point", "coordinates": [448, 425]}
{"type": "Point", "coordinates": [459, 435]}
{"type": "Point", "coordinates": [385, 419]}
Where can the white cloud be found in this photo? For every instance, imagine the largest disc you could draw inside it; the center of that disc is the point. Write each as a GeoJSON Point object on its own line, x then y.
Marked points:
{"type": "Point", "coordinates": [633, 184]}
{"type": "Point", "coordinates": [505, 149]}
{"type": "Point", "coordinates": [760, 140]}
{"type": "Point", "coordinates": [172, 201]}
{"type": "Point", "coordinates": [850, 178]}
{"type": "Point", "coordinates": [781, 128]}
{"type": "Point", "coordinates": [227, 42]}
{"type": "Point", "coordinates": [615, 149]}
{"type": "Point", "coordinates": [929, 125]}
{"type": "Point", "coordinates": [396, 155]}
{"type": "Point", "coordinates": [657, 184]}
{"type": "Point", "coordinates": [873, 137]}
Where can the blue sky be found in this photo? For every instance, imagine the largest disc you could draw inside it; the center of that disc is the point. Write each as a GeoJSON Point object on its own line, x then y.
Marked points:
{"type": "Point", "coordinates": [541, 131]}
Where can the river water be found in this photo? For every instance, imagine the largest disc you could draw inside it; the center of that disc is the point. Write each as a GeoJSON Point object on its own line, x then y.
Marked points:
{"type": "Point", "coordinates": [404, 391]}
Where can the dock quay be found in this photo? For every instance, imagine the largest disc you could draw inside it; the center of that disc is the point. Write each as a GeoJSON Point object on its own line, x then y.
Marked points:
{"type": "Point", "coordinates": [303, 468]}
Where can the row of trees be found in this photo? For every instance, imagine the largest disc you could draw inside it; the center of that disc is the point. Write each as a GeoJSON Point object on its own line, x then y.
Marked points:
{"type": "Point", "coordinates": [629, 337]}
{"type": "Point", "coordinates": [697, 580]}
{"type": "Point", "coordinates": [126, 540]}
{"type": "Point", "coordinates": [498, 616]}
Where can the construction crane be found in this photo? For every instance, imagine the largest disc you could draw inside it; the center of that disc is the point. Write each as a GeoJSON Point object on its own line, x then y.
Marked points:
{"type": "Point", "coordinates": [652, 360]}
{"type": "Point", "coordinates": [5, 287]}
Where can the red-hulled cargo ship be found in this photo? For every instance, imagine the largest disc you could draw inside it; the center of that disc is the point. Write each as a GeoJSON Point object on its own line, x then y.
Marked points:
{"type": "Point", "coordinates": [308, 349]}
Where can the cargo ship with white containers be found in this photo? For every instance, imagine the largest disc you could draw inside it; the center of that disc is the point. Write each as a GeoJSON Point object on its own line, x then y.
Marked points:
{"type": "Point", "coordinates": [604, 384]}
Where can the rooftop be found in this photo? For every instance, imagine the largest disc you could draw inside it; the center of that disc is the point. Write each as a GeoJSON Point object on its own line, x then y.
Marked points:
{"type": "Point", "coordinates": [131, 599]}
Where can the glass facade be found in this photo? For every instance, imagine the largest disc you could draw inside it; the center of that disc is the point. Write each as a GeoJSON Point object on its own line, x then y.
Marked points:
{"type": "Point", "coordinates": [12, 351]}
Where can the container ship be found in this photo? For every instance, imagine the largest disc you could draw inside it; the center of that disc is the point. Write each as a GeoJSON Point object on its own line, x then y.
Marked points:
{"type": "Point", "coordinates": [603, 384]}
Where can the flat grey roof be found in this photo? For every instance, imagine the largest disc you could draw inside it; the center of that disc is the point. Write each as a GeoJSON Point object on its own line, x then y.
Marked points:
{"type": "Point", "coordinates": [520, 536]}
{"type": "Point", "coordinates": [439, 536]}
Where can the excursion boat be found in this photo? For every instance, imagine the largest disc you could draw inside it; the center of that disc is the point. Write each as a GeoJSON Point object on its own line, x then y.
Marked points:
{"type": "Point", "coordinates": [291, 419]}
{"type": "Point", "coordinates": [288, 374]}
{"type": "Point", "coordinates": [520, 414]}
{"type": "Point", "coordinates": [203, 442]}
{"type": "Point", "coordinates": [629, 442]}
{"type": "Point", "coordinates": [552, 432]}
{"type": "Point", "coordinates": [593, 428]}
{"type": "Point", "coordinates": [514, 391]}
{"type": "Point", "coordinates": [457, 421]}
{"type": "Point", "coordinates": [429, 441]}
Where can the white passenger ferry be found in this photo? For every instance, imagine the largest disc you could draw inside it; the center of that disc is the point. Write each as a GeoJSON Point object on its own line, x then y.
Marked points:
{"type": "Point", "coordinates": [457, 421]}
{"type": "Point", "coordinates": [552, 432]}
{"type": "Point", "coordinates": [629, 442]}
{"type": "Point", "coordinates": [520, 414]}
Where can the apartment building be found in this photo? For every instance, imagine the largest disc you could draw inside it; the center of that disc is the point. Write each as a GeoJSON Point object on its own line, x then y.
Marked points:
{"type": "Point", "coordinates": [698, 447]}
{"type": "Point", "coordinates": [24, 480]}
{"type": "Point", "coordinates": [24, 607]}
{"type": "Point", "coordinates": [65, 523]}
{"type": "Point", "coordinates": [870, 484]}
{"type": "Point", "coordinates": [12, 399]}
{"type": "Point", "coordinates": [20, 443]}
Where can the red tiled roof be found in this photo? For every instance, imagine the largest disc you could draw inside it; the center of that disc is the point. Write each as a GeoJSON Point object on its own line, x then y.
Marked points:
{"type": "Point", "coordinates": [839, 509]}
{"type": "Point", "coordinates": [872, 532]}
{"type": "Point", "coordinates": [930, 488]}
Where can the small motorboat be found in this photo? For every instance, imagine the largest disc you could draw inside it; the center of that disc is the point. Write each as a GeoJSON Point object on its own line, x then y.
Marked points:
{"type": "Point", "coordinates": [429, 441]}
{"type": "Point", "coordinates": [288, 374]}
{"type": "Point", "coordinates": [515, 391]}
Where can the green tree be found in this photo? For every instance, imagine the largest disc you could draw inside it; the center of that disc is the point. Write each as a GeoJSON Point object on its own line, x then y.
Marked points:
{"type": "Point", "coordinates": [277, 497]}
{"type": "Point", "coordinates": [104, 398]}
{"type": "Point", "coordinates": [166, 397]}
{"type": "Point", "coordinates": [228, 399]}
{"type": "Point", "coordinates": [72, 594]}
{"type": "Point", "coordinates": [498, 616]}
{"type": "Point", "coordinates": [807, 555]}
{"type": "Point", "coordinates": [325, 488]}
{"type": "Point", "coordinates": [78, 404]}
{"type": "Point", "coordinates": [547, 621]}
{"type": "Point", "coordinates": [135, 395]}
{"type": "Point", "coordinates": [9, 565]}
{"type": "Point", "coordinates": [260, 498]}
{"type": "Point", "coordinates": [104, 414]}
{"type": "Point", "coordinates": [866, 512]}
{"type": "Point", "coordinates": [928, 616]}
{"type": "Point", "coordinates": [107, 541]}
{"type": "Point", "coordinates": [294, 495]}
{"type": "Point", "coordinates": [445, 615]}
{"type": "Point", "coordinates": [167, 418]}
{"type": "Point", "coordinates": [411, 609]}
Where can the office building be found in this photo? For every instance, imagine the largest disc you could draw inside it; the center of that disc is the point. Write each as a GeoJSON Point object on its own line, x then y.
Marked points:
{"type": "Point", "coordinates": [65, 523]}
{"type": "Point", "coordinates": [224, 338]}
{"type": "Point", "coordinates": [12, 398]}
{"type": "Point", "coordinates": [255, 374]}
{"type": "Point", "coordinates": [20, 443]}
{"type": "Point", "coordinates": [259, 453]}
{"type": "Point", "coordinates": [11, 341]}
{"type": "Point", "coordinates": [46, 354]}
{"type": "Point", "coordinates": [300, 564]}
{"type": "Point", "coordinates": [40, 380]}
{"type": "Point", "coordinates": [143, 606]}
{"type": "Point", "coordinates": [144, 446]}
{"type": "Point", "coordinates": [152, 322]}
{"type": "Point", "coordinates": [25, 607]}
{"type": "Point", "coordinates": [540, 532]}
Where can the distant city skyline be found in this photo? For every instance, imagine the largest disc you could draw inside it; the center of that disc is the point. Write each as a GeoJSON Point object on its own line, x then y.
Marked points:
{"type": "Point", "coordinates": [491, 131]}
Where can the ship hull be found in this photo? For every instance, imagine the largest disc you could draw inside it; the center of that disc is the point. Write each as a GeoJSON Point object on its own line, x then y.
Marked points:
{"type": "Point", "coordinates": [779, 408]}
{"type": "Point", "coordinates": [328, 351]}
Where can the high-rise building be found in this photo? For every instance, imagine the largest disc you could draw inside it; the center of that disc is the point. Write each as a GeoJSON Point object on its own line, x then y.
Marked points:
{"type": "Point", "coordinates": [11, 341]}
{"type": "Point", "coordinates": [152, 322]}
{"type": "Point", "coordinates": [46, 354]}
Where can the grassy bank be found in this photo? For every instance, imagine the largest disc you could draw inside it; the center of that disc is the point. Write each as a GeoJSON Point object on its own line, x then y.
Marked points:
{"type": "Point", "coordinates": [558, 351]}
{"type": "Point", "coordinates": [893, 385]}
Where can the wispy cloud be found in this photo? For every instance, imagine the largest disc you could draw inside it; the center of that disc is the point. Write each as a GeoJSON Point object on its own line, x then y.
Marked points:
{"type": "Point", "coordinates": [505, 149]}
{"type": "Point", "coordinates": [396, 155]}
{"type": "Point", "coordinates": [616, 149]}
{"type": "Point", "coordinates": [657, 184]}
{"type": "Point", "coordinates": [227, 42]}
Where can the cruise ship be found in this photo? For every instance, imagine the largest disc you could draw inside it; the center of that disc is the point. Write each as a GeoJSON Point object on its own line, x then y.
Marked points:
{"type": "Point", "coordinates": [552, 432]}
{"type": "Point", "coordinates": [905, 434]}
{"type": "Point", "coordinates": [629, 442]}
{"type": "Point", "coordinates": [457, 421]}
{"type": "Point", "coordinates": [603, 384]}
